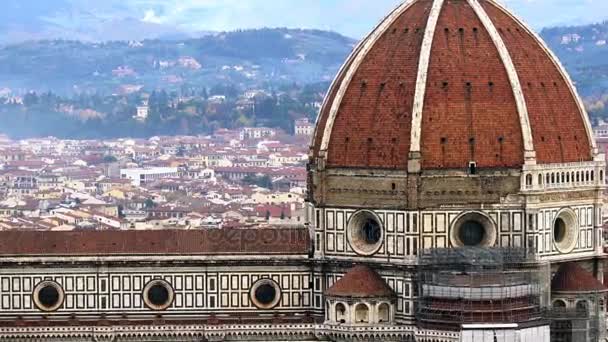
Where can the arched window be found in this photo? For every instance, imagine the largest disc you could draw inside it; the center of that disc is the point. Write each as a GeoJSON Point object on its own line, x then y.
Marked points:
{"type": "Point", "coordinates": [582, 305]}
{"type": "Point", "coordinates": [540, 180]}
{"type": "Point", "coordinates": [340, 313]}
{"type": "Point", "coordinates": [567, 177]}
{"type": "Point", "coordinates": [548, 179]}
{"type": "Point", "coordinates": [559, 304]}
{"type": "Point", "coordinates": [593, 176]}
{"type": "Point", "coordinates": [563, 178]}
{"type": "Point", "coordinates": [528, 180]}
{"type": "Point", "coordinates": [361, 313]}
{"type": "Point", "coordinates": [327, 311]}
{"type": "Point", "coordinates": [601, 175]}
{"type": "Point", "coordinates": [587, 176]}
{"type": "Point", "coordinates": [578, 176]}
{"type": "Point", "coordinates": [552, 178]}
{"type": "Point", "coordinates": [384, 313]}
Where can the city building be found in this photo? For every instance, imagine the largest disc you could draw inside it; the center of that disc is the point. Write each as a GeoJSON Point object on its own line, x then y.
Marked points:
{"type": "Point", "coordinates": [252, 133]}
{"type": "Point", "coordinates": [601, 136]}
{"type": "Point", "coordinates": [142, 113]}
{"type": "Point", "coordinates": [303, 127]}
{"type": "Point", "coordinates": [139, 177]}
{"type": "Point", "coordinates": [454, 191]}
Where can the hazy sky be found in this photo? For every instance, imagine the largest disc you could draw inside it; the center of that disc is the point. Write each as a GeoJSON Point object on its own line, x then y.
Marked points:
{"type": "Point", "coordinates": [350, 17]}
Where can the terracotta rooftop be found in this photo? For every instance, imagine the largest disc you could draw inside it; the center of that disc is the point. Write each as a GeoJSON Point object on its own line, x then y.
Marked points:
{"type": "Point", "coordinates": [361, 281]}
{"type": "Point", "coordinates": [157, 242]}
{"type": "Point", "coordinates": [572, 278]}
{"type": "Point", "coordinates": [478, 103]}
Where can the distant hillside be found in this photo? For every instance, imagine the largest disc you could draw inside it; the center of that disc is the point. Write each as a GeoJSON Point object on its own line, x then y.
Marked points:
{"type": "Point", "coordinates": [584, 52]}
{"type": "Point", "coordinates": [248, 58]}
{"type": "Point", "coordinates": [289, 70]}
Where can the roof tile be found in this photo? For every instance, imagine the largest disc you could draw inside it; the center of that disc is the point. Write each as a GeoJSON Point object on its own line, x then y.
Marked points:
{"type": "Point", "coordinates": [572, 278]}
{"type": "Point", "coordinates": [162, 242]}
{"type": "Point", "coordinates": [361, 281]}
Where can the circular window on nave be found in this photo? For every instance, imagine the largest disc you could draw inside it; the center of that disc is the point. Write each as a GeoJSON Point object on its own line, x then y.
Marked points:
{"type": "Point", "coordinates": [565, 231]}
{"type": "Point", "coordinates": [48, 296]}
{"type": "Point", "coordinates": [365, 232]}
{"type": "Point", "coordinates": [473, 229]}
{"type": "Point", "coordinates": [158, 295]}
{"type": "Point", "coordinates": [265, 294]}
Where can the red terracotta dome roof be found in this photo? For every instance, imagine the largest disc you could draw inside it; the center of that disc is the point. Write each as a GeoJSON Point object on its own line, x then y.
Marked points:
{"type": "Point", "coordinates": [452, 81]}
{"type": "Point", "coordinates": [361, 282]}
{"type": "Point", "coordinates": [572, 278]}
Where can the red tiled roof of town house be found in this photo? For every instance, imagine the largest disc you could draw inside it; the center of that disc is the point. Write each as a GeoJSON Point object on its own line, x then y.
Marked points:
{"type": "Point", "coordinates": [572, 278]}
{"type": "Point", "coordinates": [483, 100]}
{"type": "Point", "coordinates": [160, 242]}
{"type": "Point", "coordinates": [361, 281]}
{"type": "Point", "coordinates": [273, 210]}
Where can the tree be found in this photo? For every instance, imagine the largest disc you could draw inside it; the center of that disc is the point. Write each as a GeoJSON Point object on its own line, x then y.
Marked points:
{"type": "Point", "coordinates": [181, 151]}
{"type": "Point", "coordinates": [149, 204]}
{"type": "Point", "coordinates": [109, 159]}
{"type": "Point", "coordinates": [204, 94]}
{"type": "Point", "coordinates": [263, 181]}
{"type": "Point", "coordinates": [30, 99]}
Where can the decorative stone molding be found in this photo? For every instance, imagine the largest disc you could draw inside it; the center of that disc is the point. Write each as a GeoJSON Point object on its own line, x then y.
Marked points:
{"type": "Point", "coordinates": [341, 312]}
{"type": "Point", "coordinates": [284, 332]}
{"type": "Point", "coordinates": [563, 176]}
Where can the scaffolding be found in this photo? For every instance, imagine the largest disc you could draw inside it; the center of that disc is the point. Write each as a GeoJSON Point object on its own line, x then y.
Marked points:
{"type": "Point", "coordinates": [581, 324]}
{"type": "Point", "coordinates": [479, 285]}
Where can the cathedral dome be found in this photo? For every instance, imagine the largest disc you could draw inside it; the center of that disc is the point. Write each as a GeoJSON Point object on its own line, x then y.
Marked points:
{"type": "Point", "coordinates": [450, 82]}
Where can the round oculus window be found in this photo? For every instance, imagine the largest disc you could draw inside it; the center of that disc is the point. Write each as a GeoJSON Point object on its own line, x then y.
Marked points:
{"type": "Point", "coordinates": [158, 295]}
{"type": "Point", "coordinates": [265, 294]}
{"type": "Point", "coordinates": [48, 296]}
{"type": "Point", "coordinates": [565, 231]}
{"type": "Point", "coordinates": [472, 233]}
{"type": "Point", "coordinates": [559, 230]}
{"type": "Point", "coordinates": [473, 229]}
{"type": "Point", "coordinates": [365, 232]}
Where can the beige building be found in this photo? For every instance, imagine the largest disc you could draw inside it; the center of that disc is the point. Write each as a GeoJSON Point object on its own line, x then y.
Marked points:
{"type": "Point", "coordinates": [303, 127]}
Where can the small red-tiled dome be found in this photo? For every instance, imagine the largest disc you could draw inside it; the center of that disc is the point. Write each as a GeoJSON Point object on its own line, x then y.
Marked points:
{"type": "Point", "coordinates": [449, 82]}
{"type": "Point", "coordinates": [361, 282]}
{"type": "Point", "coordinates": [572, 278]}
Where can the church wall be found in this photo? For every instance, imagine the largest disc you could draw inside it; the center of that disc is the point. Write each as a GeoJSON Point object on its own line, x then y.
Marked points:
{"type": "Point", "coordinates": [541, 230]}
{"type": "Point", "coordinates": [118, 290]}
{"type": "Point", "coordinates": [406, 232]}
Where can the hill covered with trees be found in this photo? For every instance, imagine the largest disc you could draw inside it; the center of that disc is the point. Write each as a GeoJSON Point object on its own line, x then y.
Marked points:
{"type": "Point", "coordinates": [73, 89]}
{"type": "Point", "coordinates": [246, 59]}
